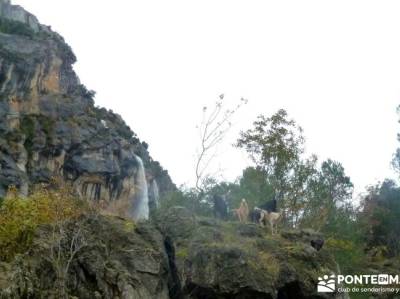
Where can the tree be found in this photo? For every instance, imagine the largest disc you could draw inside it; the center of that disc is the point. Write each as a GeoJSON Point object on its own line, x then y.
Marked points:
{"type": "Point", "coordinates": [328, 198]}
{"type": "Point", "coordinates": [215, 124]}
{"type": "Point", "coordinates": [254, 187]}
{"type": "Point", "coordinates": [67, 240]}
{"type": "Point", "coordinates": [275, 144]}
{"type": "Point", "coordinates": [304, 173]}
{"type": "Point", "coordinates": [306, 195]}
{"type": "Point", "coordinates": [380, 217]}
{"type": "Point", "coordinates": [338, 186]}
{"type": "Point", "coordinates": [396, 156]}
{"type": "Point", "coordinates": [396, 161]}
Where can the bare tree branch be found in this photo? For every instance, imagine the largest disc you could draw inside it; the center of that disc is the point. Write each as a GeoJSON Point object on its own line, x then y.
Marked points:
{"type": "Point", "coordinates": [212, 131]}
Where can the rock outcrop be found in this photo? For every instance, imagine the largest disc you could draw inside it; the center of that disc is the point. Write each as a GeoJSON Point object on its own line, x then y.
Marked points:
{"type": "Point", "coordinates": [241, 261]}
{"type": "Point", "coordinates": [49, 125]}
{"type": "Point", "coordinates": [117, 260]}
{"type": "Point", "coordinates": [182, 257]}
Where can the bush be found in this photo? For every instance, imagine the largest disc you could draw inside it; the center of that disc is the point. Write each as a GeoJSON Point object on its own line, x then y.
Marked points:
{"type": "Point", "coordinates": [189, 199]}
{"type": "Point", "coordinates": [14, 27]}
{"type": "Point", "coordinates": [349, 255]}
{"type": "Point", "coordinates": [19, 217]}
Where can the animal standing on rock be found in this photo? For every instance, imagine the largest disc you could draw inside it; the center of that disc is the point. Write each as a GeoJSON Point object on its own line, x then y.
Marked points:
{"type": "Point", "coordinates": [220, 207]}
{"type": "Point", "coordinates": [317, 244]}
{"type": "Point", "coordinates": [271, 217]}
{"type": "Point", "coordinates": [243, 212]}
{"type": "Point", "coordinates": [270, 206]}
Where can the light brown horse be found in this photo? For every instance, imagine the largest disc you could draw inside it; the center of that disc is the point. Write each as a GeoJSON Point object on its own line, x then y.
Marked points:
{"type": "Point", "coordinates": [243, 212]}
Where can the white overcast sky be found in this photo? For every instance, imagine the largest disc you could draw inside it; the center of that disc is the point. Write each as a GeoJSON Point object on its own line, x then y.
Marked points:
{"type": "Point", "coordinates": [334, 65]}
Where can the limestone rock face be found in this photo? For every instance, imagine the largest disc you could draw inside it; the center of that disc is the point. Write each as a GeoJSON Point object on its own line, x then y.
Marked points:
{"type": "Point", "coordinates": [49, 125]}
{"type": "Point", "coordinates": [17, 13]}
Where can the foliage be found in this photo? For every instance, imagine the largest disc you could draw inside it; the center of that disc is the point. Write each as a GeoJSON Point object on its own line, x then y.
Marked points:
{"type": "Point", "coordinates": [14, 27]}
{"type": "Point", "coordinates": [28, 128]}
{"type": "Point", "coordinates": [84, 92]}
{"type": "Point", "coordinates": [275, 144]}
{"type": "Point", "coordinates": [31, 123]}
{"type": "Point", "coordinates": [306, 195]}
{"type": "Point", "coordinates": [188, 198]}
{"type": "Point", "coordinates": [296, 201]}
{"type": "Point", "coordinates": [348, 254]}
{"type": "Point", "coordinates": [174, 198]}
{"type": "Point", "coordinates": [337, 185]}
{"type": "Point", "coordinates": [182, 253]}
{"type": "Point", "coordinates": [328, 205]}
{"type": "Point", "coordinates": [252, 186]}
{"type": "Point", "coordinates": [19, 217]}
{"type": "Point", "coordinates": [396, 156]}
{"type": "Point", "coordinates": [380, 217]}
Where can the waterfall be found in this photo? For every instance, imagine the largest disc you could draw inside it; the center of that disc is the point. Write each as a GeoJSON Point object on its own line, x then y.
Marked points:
{"type": "Point", "coordinates": [154, 195]}
{"type": "Point", "coordinates": [141, 204]}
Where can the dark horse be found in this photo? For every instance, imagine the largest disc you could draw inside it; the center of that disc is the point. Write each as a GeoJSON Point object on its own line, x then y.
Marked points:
{"type": "Point", "coordinates": [270, 206]}
{"type": "Point", "coordinates": [220, 207]}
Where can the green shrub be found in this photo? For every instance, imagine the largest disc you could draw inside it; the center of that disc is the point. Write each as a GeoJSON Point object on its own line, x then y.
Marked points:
{"type": "Point", "coordinates": [349, 255]}
{"type": "Point", "coordinates": [28, 128]}
{"type": "Point", "coordinates": [19, 217]}
{"type": "Point", "coordinates": [29, 125]}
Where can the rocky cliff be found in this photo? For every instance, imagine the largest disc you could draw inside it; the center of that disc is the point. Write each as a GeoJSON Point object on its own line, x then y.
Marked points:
{"type": "Point", "coordinates": [49, 125]}
{"type": "Point", "coordinates": [178, 257]}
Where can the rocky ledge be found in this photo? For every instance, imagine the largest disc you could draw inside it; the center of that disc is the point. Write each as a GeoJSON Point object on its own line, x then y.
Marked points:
{"type": "Point", "coordinates": [180, 256]}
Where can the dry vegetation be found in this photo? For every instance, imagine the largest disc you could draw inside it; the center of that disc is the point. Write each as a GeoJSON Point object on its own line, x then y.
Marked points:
{"type": "Point", "coordinates": [19, 216]}
{"type": "Point", "coordinates": [49, 204]}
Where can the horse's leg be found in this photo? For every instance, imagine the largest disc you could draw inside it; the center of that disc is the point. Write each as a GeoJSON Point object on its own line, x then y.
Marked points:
{"type": "Point", "coordinates": [260, 220]}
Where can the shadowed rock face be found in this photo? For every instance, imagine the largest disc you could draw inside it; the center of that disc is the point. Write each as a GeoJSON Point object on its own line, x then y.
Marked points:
{"type": "Point", "coordinates": [49, 125]}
